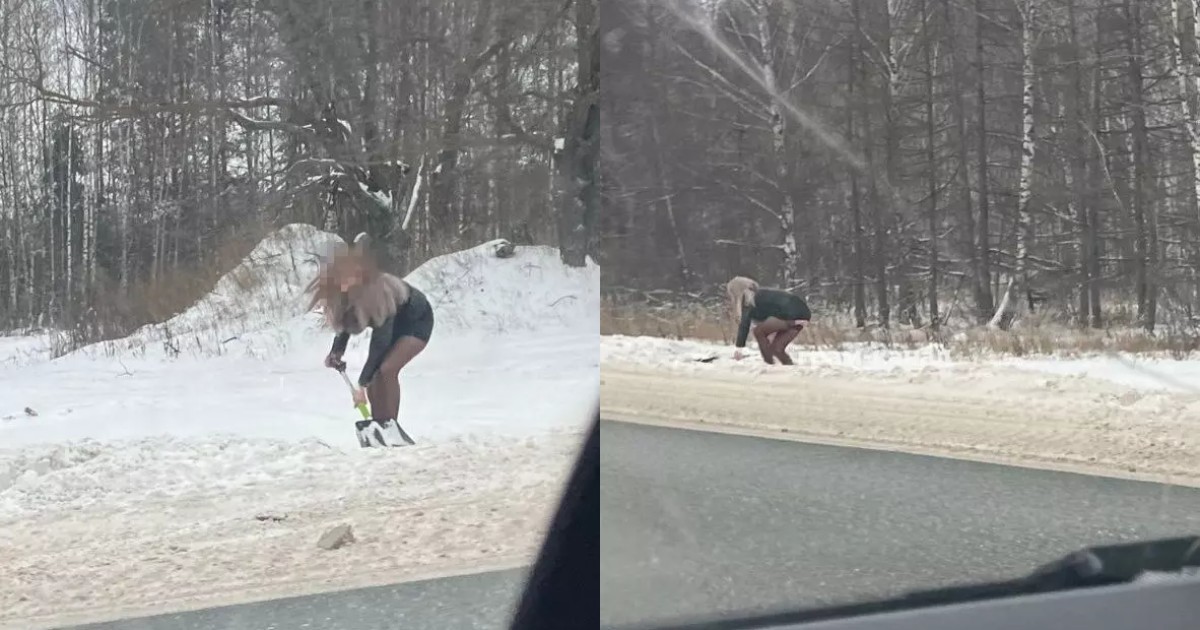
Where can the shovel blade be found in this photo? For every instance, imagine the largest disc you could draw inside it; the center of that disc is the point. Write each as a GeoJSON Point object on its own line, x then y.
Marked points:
{"type": "Point", "coordinates": [381, 433]}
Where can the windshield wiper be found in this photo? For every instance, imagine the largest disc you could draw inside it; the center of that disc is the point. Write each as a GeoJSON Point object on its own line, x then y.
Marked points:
{"type": "Point", "coordinates": [1086, 568]}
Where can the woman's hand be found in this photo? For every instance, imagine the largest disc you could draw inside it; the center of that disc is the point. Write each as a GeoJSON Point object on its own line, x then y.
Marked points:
{"type": "Point", "coordinates": [737, 354]}
{"type": "Point", "coordinates": [334, 361]}
{"type": "Point", "coordinates": [360, 396]}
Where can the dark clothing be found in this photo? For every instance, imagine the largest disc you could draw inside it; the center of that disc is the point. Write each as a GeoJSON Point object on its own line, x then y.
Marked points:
{"type": "Point", "coordinates": [412, 319]}
{"type": "Point", "coordinates": [771, 303]}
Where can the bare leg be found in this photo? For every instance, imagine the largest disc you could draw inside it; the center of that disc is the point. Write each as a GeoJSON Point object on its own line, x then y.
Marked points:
{"type": "Point", "coordinates": [763, 333]}
{"type": "Point", "coordinates": [779, 344]}
{"type": "Point", "coordinates": [389, 374]}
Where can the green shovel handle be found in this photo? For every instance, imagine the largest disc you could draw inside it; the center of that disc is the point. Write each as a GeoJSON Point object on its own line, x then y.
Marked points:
{"type": "Point", "coordinates": [366, 414]}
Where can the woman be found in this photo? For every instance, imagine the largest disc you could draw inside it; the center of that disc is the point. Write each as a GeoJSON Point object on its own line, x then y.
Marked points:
{"type": "Point", "coordinates": [778, 317]}
{"type": "Point", "coordinates": [354, 295]}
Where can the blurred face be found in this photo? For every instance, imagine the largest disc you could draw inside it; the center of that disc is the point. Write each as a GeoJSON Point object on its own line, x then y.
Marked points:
{"type": "Point", "coordinates": [349, 280]}
{"type": "Point", "coordinates": [348, 271]}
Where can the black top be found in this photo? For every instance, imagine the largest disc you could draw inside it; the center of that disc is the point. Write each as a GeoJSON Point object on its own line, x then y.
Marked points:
{"type": "Point", "coordinates": [771, 303]}
{"type": "Point", "coordinates": [383, 336]}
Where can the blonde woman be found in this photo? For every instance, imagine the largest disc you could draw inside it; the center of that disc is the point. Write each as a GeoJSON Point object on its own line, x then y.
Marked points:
{"type": "Point", "coordinates": [356, 295]}
{"type": "Point", "coordinates": [778, 316]}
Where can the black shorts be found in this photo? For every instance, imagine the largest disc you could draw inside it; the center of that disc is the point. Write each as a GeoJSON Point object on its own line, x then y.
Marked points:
{"type": "Point", "coordinates": [415, 319]}
{"type": "Point", "coordinates": [796, 323]}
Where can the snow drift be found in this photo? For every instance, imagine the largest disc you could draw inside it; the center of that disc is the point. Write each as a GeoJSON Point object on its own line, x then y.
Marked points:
{"type": "Point", "coordinates": [261, 302]}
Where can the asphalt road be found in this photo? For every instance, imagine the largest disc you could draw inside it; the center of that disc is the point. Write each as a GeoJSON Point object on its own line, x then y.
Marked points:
{"type": "Point", "coordinates": [695, 524]}
{"type": "Point", "coordinates": [482, 601]}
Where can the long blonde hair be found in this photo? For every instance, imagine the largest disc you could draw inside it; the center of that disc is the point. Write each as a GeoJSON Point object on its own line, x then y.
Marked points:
{"type": "Point", "coordinates": [376, 297]}
{"type": "Point", "coordinates": [740, 291]}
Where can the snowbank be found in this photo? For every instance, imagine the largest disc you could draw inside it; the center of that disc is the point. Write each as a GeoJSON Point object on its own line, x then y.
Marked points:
{"type": "Point", "coordinates": [875, 359]}
{"type": "Point", "coordinates": [259, 307]}
{"type": "Point", "coordinates": [23, 348]}
{"type": "Point", "coordinates": [264, 291]}
{"type": "Point", "coordinates": [532, 291]}
{"type": "Point", "coordinates": [690, 354]}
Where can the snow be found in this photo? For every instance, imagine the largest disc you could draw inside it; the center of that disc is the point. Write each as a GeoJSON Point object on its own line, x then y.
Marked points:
{"type": "Point", "coordinates": [1112, 415]}
{"type": "Point", "coordinates": [32, 347]}
{"type": "Point", "coordinates": [382, 198]}
{"type": "Point", "coordinates": [413, 198]}
{"type": "Point", "coordinates": [1137, 372]}
{"type": "Point", "coordinates": [176, 437]}
{"type": "Point", "coordinates": [1133, 371]}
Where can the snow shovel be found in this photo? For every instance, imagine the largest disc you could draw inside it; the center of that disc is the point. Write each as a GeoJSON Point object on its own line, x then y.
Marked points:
{"type": "Point", "coordinates": [370, 431]}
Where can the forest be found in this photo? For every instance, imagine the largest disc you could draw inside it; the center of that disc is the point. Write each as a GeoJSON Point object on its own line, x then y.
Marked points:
{"type": "Point", "coordinates": [147, 145]}
{"type": "Point", "coordinates": [911, 162]}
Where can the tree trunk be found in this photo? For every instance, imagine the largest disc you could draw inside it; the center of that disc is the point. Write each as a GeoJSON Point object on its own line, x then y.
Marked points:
{"type": "Point", "coordinates": [878, 204]}
{"type": "Point", "coordinates": [1184, 27]}
{"type": "Point", "coordinates": [1078, 168]}
{"type": "Point", "coordinates": [1095, 178]}
{"type": "Point", "coordinates": [779, 140]}
{"type": "Point", "coordinates": [962, 144]}
{"type": "Point", "coordinates": [1018, 283]}
{"type": "Point", "coordinates": [931, 161]}
{"type": "Point", "coordinates": [578, 172]}
{"type": "Point", "coordinates": [666, 197]}
{"type": "Point", "coordinates": [1146, 289]}
{"type": "Point", "coordinates": [983, 281]}
{"type": "Point", "coordinates": [444, 175]}
{"type": "Point", "coordinates": [860, 242]}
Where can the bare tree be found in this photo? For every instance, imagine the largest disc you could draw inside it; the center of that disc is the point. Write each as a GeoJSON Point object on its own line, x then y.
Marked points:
{"type": "Point", "coordinates": [148, 145]}
{"type": "Point", "coordinates": [914, 161]}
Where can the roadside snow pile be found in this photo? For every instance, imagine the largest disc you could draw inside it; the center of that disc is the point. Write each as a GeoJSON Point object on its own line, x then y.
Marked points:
{"type": "Point", "coordinates": [114, 476]}
{"type": "Point", "coordinates": [704, 355]}
{"type": "Point", "coordinates": [530, 291]}
{"type": "Point", "coordinates": [24, 348]}
{"type": "Point", "coordinates": [873, 359]}
{"type": "Point", "coordinates": [1124, 369]}
{"type": "Point", "coordinates": [270, 281]}
{"type": "Point", "coordinates": [265, 289]}
{"type": "Point", "coordinates": [259, 306]}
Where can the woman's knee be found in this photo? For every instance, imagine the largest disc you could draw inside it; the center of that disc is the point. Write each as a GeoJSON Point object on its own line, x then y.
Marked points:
{"type": "Point", "coordinates": [388, 373]}
{"type": "Point", "coordinates": [783, 339]}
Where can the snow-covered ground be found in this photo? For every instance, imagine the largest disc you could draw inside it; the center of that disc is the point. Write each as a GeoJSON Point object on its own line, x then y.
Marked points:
{"type": "Point", "coordinates": [1134, 371]}
{"type": "Point", "coordinates": [21, 349]}
{"type": "Point", "coordinates": [199, 460]}
{"type": "Point", "coordinates": [1103, 414]}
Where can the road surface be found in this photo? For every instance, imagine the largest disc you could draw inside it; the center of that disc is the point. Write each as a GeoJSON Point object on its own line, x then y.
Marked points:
{"type": "Point", "coordinates": [482, 601]}
{"type": "Point", "coordinates": [696, 523]}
